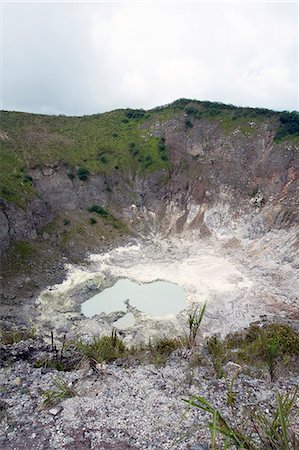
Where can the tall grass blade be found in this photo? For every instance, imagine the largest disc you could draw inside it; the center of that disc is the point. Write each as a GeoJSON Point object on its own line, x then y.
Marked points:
{"type": "Point", "coordinates": [214, 430]}
{"type": "Point", "coordinates": [282, 420]}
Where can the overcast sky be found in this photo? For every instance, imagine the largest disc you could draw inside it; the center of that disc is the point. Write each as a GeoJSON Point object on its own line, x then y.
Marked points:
{"type": "Point", "coordinates": [82, 58]}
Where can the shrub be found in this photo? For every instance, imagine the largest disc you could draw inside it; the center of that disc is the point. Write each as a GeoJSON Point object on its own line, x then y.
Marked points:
{"type": "Point", "coordinates": [193, 111]}
{"type": "Point", "coordinates": [48, 363]}
{"type": "Point", "coordinates": [289, 125]}
{"type": "Point", "coordinates": [28, 179]}
{"type": "Point", "coordinates": [58, 360]}
{"type": "Point", "coordinates": [148, 160]}
{"type": "Point", "coordinates": [70, 174]}
{"type": "Point", "coordinates": [214, 112]}
{"type": "Point", "coordinates": [105, 214]}
{"type": "Point", "coordinates": [82, 173]}
{"type": "Point", "coordinates": [104, 159]}
{"type": "Point", "coordinates": [162, 149]}
{"type": "Point", "coordinates": [5, 191]}
{"type": "Point", "coordinates": [92, 221]}
{"type": "Point", "coordinates": [133, 149]}
{"type": "Point", "coordinates": [66, 221]}
{"type": "Point", "coordinates": [190, 109]}
{"type": "Point", "coordinates": [188, 124]}
{"type": "Point", "coordinates": [287, 337]}
{"type": "Point", "coordinates": [180, 103]}
{"type": "Point", "coordinates": [161, 145]}
{"type": "Point", "coordinates": [136, 114]}
{"type": "Point", "coordinates": [99, 210]}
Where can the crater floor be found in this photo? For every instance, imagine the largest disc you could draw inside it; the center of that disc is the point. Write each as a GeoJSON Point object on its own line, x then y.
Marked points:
{"type": "Point", "coordinates": [241, 281]}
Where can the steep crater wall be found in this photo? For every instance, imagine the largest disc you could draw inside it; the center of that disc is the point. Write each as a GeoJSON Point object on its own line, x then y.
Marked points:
{"type": "Point", "coordinates": [207, 166]}
{"type": "Point", "coordinates": [229, 194]}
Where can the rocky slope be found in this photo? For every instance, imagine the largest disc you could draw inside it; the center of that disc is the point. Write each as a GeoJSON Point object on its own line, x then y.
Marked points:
{"type": "Point", "coordinates": [127, 405]}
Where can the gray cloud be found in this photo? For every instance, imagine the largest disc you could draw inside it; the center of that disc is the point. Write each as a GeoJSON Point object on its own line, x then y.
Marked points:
{"type": "Point", "coordinates": [80, 58]}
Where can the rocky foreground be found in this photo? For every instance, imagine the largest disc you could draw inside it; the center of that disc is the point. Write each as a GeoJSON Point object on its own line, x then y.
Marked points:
{"type": "Point", "coordinates": [126, 404]}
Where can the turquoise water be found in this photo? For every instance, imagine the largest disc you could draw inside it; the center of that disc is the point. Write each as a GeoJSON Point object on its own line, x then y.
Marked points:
{"type": "Point", "coordinates": [157, 299]}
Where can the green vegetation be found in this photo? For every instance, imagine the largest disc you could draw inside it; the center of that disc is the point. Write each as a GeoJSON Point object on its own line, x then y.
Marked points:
{"type": "Point", "coordinates": [102, 349]}
{"type": "Point", "coordinates": [260, 432]}
{"type": "Point", "coordinates": [160, 350]}
{"type": "Point", "coordinates": [63, 357]}
{"type": "Point", "coordinates": [206, 108]}
{"type": "Point", "coordinates": [162, 149]}
{"type": "Point", "coordinates": [274, 347]}
{"type": "Point", "coordinates": [289, 125]}
{"type": "Point", "coordinates": [231, 395]}
{"type": "Point", "coordinates": [218, 353]}
{"type": "Point", "coordinates": [85, 229]}
{"type": "Point", "coordinates": [229, 117]}
{"type": "Point", "coordinates": [70, 174]}
{"type": "Point", "coordinates": [188, 124]}
{"type": "Point", "coordinates": [193, 110]}
{"type": "Point", "coordinates": [136, 114]}
{"type": "Point", "coordinates": [194, 321]}
{"type": "Point", "coordinates": [107, 216]}
{"type": "Point", "coordinates": [13, 336]}
{"type": "Point", "coordinates": [101, 143]}
{"type": "Point", "coordinates": [92, 221]}
{"type": "Point", "coordinates": [109, 348]}
{"type": "Point", "coordinates": [156, 352]}
{"type": "Point", "coordinates": [22, 249]}
{"type": "Point", "coordinates": [61, 391]}
{"type": "Point", "coordinates": [83, 173]}
{"type": "Point", "coordinates": [84, 145]}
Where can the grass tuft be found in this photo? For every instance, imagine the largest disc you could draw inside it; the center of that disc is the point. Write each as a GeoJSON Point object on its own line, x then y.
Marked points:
{"type": "Point", "coordinates": [61, 391]}
{"type": "Point", "coordinates": [273, 346]}
{"type": "Point", "coordinates": [13, 336]}
{"type": "Point", "coordinates": [102, 349]}
{"type": "Point", "coordinates": [263, 432]}
{"type": "Point", "coordinates": [194, 322]}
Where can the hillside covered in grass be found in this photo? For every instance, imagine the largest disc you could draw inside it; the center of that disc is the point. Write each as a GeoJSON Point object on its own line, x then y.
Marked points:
{"type": "Point", "coordinates": [121, 140]}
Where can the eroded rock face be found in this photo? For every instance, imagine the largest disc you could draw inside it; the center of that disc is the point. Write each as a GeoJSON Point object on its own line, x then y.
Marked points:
{"type": "Point", "coordinates": [246, 171]}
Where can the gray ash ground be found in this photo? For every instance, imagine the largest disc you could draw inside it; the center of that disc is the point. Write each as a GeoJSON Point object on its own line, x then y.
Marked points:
{"type": "Point", "coordinates": [122, 406]}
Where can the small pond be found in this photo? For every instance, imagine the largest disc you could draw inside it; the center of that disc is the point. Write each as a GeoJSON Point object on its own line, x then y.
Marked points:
{"type": "Point", "coordinates": [157, 299]}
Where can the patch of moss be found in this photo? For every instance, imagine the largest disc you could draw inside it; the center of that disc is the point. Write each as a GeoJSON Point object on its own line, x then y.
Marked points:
{"type": "Point", "coordinates": [23, 249]}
